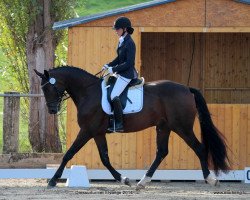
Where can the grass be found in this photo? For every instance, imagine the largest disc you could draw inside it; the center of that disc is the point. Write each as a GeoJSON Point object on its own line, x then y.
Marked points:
{"type": "Point", "coordinates": [6, 80]}
{"type": "Point", "coordinates": [97, 6]}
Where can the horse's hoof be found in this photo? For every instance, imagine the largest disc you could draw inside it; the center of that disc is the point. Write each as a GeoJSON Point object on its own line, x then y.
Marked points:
{"type": "Point", "coordinates": [140, 187]}
{"type": "Point", "coordinates": [52, 183]}
{"type": "Point", "coordinates": [143, 182]}
{"type": "Point", "coordinates": [212, 180]}
{"type": "Point", "coordinates": [127, 182]}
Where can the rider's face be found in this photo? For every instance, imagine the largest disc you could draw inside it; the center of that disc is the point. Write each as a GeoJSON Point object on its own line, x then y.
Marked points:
{"type": "Point", "coordinates": [119, 32]}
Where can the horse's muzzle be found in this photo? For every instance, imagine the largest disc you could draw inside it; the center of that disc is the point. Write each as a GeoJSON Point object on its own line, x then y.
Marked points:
{"type": "Point", "coordinates": [53, 109]}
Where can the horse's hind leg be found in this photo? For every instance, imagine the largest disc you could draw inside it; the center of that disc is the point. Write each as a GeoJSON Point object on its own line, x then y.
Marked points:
{"type": "Point", "coordinates": [79, 142]}
{"type": "Point", "coordinates": [102, 146]}
{"type": "Point", "coordinates": [163, 133]}
{"type": "Point", "coordinates": [199, 149]}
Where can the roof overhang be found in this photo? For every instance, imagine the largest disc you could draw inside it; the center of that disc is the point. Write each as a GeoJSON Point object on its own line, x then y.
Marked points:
{"type": "Point", "coordinates": [89, 18]}
{"type": "Point", "coordinates": [243, 1]}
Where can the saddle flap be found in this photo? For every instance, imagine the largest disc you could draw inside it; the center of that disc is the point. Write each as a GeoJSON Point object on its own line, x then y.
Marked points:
{"type": "Point", "coordinates": [134, 98]}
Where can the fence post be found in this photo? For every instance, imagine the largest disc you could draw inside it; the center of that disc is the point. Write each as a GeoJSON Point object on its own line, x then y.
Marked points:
{"type": "Point", "coordinates": [11, 122]}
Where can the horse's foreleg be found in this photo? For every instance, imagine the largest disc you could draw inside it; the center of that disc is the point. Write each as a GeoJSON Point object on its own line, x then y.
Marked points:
{"type": "Point", "coordinates": [162, 150]}
{"type": "Point", "coordinates": [102, 146]}
{"type": "Point", "coordinates": [79, 142]}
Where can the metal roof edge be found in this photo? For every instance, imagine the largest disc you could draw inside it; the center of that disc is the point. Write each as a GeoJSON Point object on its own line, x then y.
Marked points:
{"type": "Point", "coordinates": [243, 1]}
{"type": "Point", "coordinates": [85, 19]}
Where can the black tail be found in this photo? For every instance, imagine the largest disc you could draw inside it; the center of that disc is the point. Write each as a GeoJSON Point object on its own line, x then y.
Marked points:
{"type": "Point", "coordinates": [212, 138]}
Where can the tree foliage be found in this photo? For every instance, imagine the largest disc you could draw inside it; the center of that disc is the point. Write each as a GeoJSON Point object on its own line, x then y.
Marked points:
{"type": "Point", "coordinates": [29, 42]}
{"type": "Point", "coordinates": [15, 18]}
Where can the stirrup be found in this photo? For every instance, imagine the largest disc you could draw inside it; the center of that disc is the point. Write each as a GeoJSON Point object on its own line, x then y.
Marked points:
{"type": "Point", "coordinates": [113, 129]}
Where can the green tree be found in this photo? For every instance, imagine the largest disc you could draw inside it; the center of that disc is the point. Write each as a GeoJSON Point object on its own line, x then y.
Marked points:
{"type": "Point", "coordinates": [29, 43]}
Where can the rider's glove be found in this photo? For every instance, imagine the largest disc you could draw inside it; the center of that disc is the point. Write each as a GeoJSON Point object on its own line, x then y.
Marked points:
{"type": "Point", "coordinates": [110, 70]}
{"type": "Point", "coordinates": [105, 67]}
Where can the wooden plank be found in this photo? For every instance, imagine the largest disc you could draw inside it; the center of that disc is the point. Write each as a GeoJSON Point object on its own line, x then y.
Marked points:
{"type": "Point", "coordinates": [70, 41]}
{"type": "Point", "coordinates": [203, 29]}
{"type": "Point", "coordinates": [248, 137]}
{"type": "Point", "coordinates": [127, 144]}
{"type": "Point", "coordinates": [229, 128]}
{"type": "Point", "coordinates": [176, 151]}
{"type": "Point", "coordinates": [235, 137]}
{"type": "Point", "coordinates": [169, 159]}
{"type": "Point", "coordinates": [115, 149]}
{"type": "Point", "coordinates": [194, 162]}
{"type": "Point", "coordinates": [153, 145]}
{"type": "Point", "coordinates": [171, 29]}
{"type": "Point", "coordinates": [243, 136]}
{"type": "Point", "coordinates": [139, 150]}
{"type": "Point", "coordinates": [137, 39]}
{"type": "Point", "coordinates": [104, 46]}
{"type": "Point", "coordinates": [75, 46]}
{"type": "Point", "coordinates": [70, 129]}
{"type": "Point", "coordinates": [82, 48]}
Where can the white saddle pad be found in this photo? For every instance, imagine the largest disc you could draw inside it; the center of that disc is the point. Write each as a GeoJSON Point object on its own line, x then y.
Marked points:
{"type": "Point", "coordinates": [135, 94]}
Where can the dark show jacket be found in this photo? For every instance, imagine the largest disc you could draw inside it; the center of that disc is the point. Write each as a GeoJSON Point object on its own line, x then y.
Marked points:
{"type": "Point", "coordinates": [124, 63]}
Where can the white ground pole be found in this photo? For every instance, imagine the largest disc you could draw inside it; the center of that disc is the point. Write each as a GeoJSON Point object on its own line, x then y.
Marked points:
{"type": "Point", "coordinates": [195, 175]}
{"type": "Point", "coordinates": [79, 176]}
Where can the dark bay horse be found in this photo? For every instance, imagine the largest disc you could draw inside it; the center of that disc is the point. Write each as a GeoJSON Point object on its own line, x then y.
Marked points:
{"type": "Point", "coordinates": [168, 106]}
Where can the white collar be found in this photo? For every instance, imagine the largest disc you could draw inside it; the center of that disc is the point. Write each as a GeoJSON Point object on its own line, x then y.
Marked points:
{"type": "Point", "coordinates": [121, 39]}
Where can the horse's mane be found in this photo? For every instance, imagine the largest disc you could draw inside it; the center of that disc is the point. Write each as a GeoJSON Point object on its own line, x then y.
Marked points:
{"type": "Point", "coordinates": [67, 68]}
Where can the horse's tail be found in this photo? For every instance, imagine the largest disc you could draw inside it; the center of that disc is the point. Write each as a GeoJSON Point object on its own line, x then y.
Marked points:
{"type": "Point", "coordinates": [216, 148]}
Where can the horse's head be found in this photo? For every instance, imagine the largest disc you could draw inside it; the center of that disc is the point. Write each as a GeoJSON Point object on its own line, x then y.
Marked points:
{"type": "Point", "coordinates": [53, 91]}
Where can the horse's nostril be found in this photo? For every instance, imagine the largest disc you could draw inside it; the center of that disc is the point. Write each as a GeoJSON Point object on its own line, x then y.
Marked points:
{"type": "Point", "coordinates": [52, 111]}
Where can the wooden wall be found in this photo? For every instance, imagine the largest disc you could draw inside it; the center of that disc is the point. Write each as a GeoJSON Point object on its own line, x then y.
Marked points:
{"type": "Point", "coordinates": [220, 66]}
{"type": "Point", "coordinates": [169, 56]}
{"type": "Point", "coordinates": [227, 67]}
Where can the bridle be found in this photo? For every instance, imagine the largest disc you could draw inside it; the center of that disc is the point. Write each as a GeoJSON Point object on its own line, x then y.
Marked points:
{"type": "Point", "coordinates": [60, 95]}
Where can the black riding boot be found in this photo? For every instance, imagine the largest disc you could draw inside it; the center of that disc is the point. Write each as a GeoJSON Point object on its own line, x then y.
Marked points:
{"type": "Point", "coordinates": [118, 116]}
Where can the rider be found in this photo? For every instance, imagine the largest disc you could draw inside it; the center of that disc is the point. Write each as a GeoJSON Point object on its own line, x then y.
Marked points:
{"type": "Point", "coordinates": [124, 66]}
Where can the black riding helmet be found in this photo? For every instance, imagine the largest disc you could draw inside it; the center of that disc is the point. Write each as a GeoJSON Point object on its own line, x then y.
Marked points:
{"type": "Point", "coordinates": [123, 22]}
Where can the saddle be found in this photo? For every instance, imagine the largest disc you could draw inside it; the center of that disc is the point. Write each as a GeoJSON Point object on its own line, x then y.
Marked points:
{"type": "Point", "coordinates": [124, 95]}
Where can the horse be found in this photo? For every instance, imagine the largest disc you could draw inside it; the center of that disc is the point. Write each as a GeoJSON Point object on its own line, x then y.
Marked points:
{"type": "Point", "coordinates": [167, 105]}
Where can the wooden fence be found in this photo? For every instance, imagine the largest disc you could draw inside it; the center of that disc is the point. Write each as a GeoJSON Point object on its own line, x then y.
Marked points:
{"type": "Point", "coordinates": [11, 158]}
{"type": "Point", "coordinates": [137, 150]}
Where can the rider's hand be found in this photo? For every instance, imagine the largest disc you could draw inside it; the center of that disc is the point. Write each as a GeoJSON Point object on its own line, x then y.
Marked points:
{"type": "Point", "coordinates": [105, 67]}
{"type": "Point", "coordinates": [110, 70]}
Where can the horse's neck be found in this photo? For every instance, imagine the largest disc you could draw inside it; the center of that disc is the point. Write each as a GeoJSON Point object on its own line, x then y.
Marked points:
{"type": "Point", "coordinates": [78, 87]}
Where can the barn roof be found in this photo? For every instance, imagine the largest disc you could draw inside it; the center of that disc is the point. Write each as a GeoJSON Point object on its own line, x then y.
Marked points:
{"type": "Point", "coordinates": [85, 19]}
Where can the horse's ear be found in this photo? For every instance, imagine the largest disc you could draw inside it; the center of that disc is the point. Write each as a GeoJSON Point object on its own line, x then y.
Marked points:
{"type": "Point", "coordinates": [38, 73]}
{"type": "Point", "coordinates": [46, 74]}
